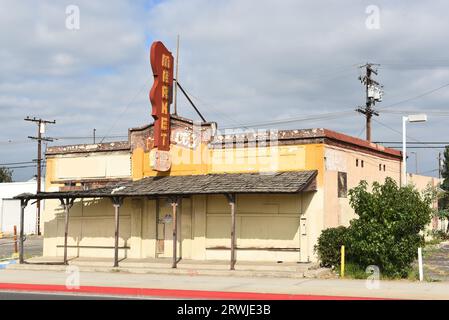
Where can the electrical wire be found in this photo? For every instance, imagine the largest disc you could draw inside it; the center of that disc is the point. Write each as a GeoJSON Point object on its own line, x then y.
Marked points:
{"type": "Point", "coordinates": [124, 110]}
{"type": "Point", "coordinates": [415, 97]}
{"type": "Point", "coordinates": [397, 131]}
{"type": "Point", "coordinates": [435, 112]}
{"type": "Point", "coordinates": [212, 107]}
{"type": "Point", "coordinates": [22, 167]}
{"type": "Point", "coordinates": [324, 116]}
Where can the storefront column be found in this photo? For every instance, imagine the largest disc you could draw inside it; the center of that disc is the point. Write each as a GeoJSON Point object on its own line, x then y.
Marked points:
{"type": "Point", "coordinates": [67, 203]}
{"type": "Point", "coordinates": [231, 200]}
{"type": "Point", "coordinates": [23, 204]}
{"type": "Point", "coordinates": [174, 204]}
{"type": "Point", "coordinates": [116, 202]}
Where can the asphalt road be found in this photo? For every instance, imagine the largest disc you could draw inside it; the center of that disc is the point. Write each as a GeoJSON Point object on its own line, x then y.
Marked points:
{"type": "Point", "coordinates": [14, 295]}
{"type": "Point", "coordinates": [436, 262]}
{"type": "Point", "coordinates": [33, 247]}
{"type": "Point", "coordinates": [9, 295]}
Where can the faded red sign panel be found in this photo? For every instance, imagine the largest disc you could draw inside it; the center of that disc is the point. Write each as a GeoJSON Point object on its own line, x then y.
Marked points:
{"type": "Point", "coordinates": [161, 94]}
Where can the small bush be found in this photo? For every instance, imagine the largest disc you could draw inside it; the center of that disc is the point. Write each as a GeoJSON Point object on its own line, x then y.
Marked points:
{"type": "Point", "coordinates": [387, 232]}
{"type": "Point", "coordinates": [329, 245]}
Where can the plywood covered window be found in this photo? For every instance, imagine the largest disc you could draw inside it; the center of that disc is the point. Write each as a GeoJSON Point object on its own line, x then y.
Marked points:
{"type": "Point", "coordinates": [342, 184]}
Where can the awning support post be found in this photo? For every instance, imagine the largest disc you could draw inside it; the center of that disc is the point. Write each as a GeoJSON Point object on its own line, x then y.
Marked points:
{"type": "Point", "coordinates": [231, 200]}
{"type": "Point", "coordinates": [174, 204]}
{"type": "Point", "coordinates": [23, 204]}
{"type": "Point", "coordinates": [67, 203]}
{"type": "Point", "coordinates": [117, 202]}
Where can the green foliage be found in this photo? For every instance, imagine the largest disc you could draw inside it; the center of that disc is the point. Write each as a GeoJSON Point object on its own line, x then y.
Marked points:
{"type": "Point", "coordinates": [387, 231]}
{"type": "Point", "coordinates": [445, 170]}
{"type": "Point", "coordinates": [438, 236]}
{"type": "Point", "coordinates": [354, 271]}
{"type": "Point", "coordinates": [329, 246]}
{"type": "Point", "coordinates": [5, 175]}
{"type": "Point", "coordinates": [443, 207]}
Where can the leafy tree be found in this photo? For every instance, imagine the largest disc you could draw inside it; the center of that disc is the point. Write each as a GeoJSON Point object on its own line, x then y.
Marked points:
{"type": "Point", "coordinates": [443, 201]}
{"type": "Point", "coordinates": [387, 232]}
{"type": "Point", "coordinates": [445, 170]}
{"type": "Point", "coordinates": [5, 175]}
{"type": "Point", "coordinates": [443, 207]}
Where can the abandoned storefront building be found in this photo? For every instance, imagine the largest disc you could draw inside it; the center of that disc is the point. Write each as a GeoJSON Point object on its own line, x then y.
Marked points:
{"type": "Point", "coordinates": [179, 189]}
{"type": "Point", "coordinates": [259, 195]}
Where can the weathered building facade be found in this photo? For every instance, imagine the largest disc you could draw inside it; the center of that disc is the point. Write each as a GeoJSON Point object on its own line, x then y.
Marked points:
{"type": "Point", "coordinates": [287, 186]}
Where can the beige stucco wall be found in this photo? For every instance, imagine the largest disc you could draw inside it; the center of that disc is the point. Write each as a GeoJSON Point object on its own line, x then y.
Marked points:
{"type": "Point", "coordinates": [88, 218]}
{"type": "Point", "coordinates": [91, 229]}
{"type": "Point", "coordinates": [92, 165]}
{"type": "Point", "coordinates": [263, 223]}
{"type": "Point", "coordinates": [337, 211]}
{"type": "Point", "coordinates": [423, 183]}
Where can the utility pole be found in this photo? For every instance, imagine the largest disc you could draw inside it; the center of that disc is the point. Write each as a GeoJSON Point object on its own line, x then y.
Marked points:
{"type": "Point", "coordinates": [40, 130]}
{"type": "Point", "coordinates": [439, 165]}
{"type": "Point", "coordinates": [95, 130]}
{"type": "Point", "coordinates": [373, 91]}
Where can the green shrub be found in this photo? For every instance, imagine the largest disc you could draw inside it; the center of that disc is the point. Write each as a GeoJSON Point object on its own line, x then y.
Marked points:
{"type": "Point", "coordinates": [329, 246]}
{"type": "Point", "coordinates": [386, 233]}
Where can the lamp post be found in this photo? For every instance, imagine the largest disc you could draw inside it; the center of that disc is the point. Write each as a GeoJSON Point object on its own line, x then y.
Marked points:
{"type": "Point", "coordinates": [410, 118]}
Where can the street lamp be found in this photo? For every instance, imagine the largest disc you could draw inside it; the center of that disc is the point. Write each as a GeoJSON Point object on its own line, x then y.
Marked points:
{"type": "Point", "coordinates": [410, 118]}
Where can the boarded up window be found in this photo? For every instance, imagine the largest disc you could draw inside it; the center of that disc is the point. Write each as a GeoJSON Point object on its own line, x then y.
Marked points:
{"type": "Point", "coordinates": [342, 184]}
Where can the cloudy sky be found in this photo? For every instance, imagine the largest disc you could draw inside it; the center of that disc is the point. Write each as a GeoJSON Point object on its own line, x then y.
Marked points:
{"type": "Point", "coordinates": [241, 61]}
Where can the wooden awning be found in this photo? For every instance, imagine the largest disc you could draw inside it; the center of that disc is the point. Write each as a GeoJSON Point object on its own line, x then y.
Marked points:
{"type": "Point", "coordinates": [227, 183]}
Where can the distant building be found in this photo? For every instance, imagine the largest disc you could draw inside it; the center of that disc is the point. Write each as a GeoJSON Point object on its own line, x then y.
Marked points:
{"type": "Point", "coordinates": [10, 209]}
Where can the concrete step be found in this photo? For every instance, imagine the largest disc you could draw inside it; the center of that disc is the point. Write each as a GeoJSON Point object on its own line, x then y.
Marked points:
{"type": "Point", "coordinates": [243, 266]}
{"type": "Point", "coordinates": [191, 272]}
{"type": "Point", "coordinates": [184, 264]}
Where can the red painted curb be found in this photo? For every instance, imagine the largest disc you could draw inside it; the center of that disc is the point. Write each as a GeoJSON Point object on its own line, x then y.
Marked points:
{"type": "Point", "coordinates": [173, 293]}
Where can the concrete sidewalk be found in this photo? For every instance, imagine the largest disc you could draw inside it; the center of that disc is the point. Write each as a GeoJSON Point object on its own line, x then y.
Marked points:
{"type": "Point", "coordinates": [184, 267]}
{"type": "Point", "coordinates": [182, 283]}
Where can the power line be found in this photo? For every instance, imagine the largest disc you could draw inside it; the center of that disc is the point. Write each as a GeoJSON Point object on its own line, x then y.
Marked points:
{"type": "Point", "coordinates": [416, 97]}
{"type": "Point", "coordinates": [397, 131]}
{"type": "Point", "coordinates": [435, 112]}
{"type": "Point", "coordinates": [123, 111]}
{"type": "Point", "coordinates": [214, 109]}
{"type": "Point", "coordinates": [418, 142]}
{"type": "Point", "coordinates": [324, 116]}
{"type": "Point", "coordinates": [22, 167]}
{"type": "Point", "coordinates": [418, 147]}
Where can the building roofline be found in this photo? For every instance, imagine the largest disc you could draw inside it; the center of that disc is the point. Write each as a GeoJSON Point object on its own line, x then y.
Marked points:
{"type": "Point", "coordinates": [333, 135]}
{"type": "Point", "coordinates": [87, 148]}
{"type": "Point", "coordinates": [309, 136]}
{"type": "Point", "coordinates": [173, 117]}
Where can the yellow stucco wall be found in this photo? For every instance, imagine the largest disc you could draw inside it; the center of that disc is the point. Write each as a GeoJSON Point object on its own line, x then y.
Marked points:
{"type": "Point", "coordinates": [263, 221]}
{"type": "Point", "coordinates": [204, 160]}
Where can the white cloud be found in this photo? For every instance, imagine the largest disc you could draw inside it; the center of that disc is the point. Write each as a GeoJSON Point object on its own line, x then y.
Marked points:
{"type": "Point", "coordinates": [243, 61]}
